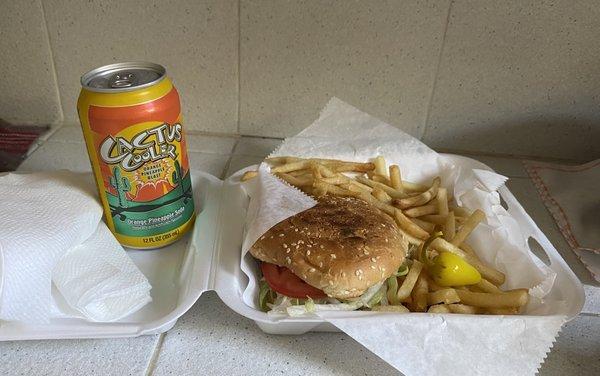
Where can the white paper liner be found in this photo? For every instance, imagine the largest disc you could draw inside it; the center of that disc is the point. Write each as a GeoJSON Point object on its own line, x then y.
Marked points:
{"type": "Point", "coordinates": [344, 132]}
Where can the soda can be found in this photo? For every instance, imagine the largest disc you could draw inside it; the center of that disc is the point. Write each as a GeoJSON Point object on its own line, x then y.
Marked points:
{"type": "Point", "coordinates": [131, 119]}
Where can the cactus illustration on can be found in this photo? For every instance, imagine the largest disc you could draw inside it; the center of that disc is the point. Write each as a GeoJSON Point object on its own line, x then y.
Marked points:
{"type": "Point", "coordinates": [121, 185]}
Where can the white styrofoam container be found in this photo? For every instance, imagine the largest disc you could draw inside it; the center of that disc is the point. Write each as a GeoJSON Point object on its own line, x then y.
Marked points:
{"type": "Point", "coordinates": [209, 259]}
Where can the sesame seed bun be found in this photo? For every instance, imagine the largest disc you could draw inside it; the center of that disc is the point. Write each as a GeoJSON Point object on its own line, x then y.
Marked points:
{"type": "Point", "coordinates": [342, 245]}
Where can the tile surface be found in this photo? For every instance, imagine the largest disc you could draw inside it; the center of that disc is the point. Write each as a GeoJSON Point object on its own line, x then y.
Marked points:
{"type": "Point", "coordinates": [256, 146]}
{"type": "Point", "coordinates": [28, 86]}
{"type": "Point", "coordinates": [379, 57]}
{"type": "Point", "coordinates": [577, 350]}
{"type": "Point", "coordinates": [195, 40]}
{"type": "Point", "coordinates": [519, 77]}
{"type": "Point", "coordinates": [122, 356]}
{"type": "Point", "coordinates": [213, 340]}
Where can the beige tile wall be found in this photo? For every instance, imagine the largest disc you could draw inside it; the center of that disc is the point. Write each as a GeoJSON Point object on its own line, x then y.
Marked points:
{"type": "Point", "coordinates": [507, 77]}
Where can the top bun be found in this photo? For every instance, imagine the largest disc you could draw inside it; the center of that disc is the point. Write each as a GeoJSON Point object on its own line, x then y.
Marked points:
{"type": "Point", "coordinates": [342, 245]}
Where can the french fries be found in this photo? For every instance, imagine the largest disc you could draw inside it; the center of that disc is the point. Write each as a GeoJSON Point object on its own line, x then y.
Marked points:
{"type": "Point", "coordinates": [418, 211]}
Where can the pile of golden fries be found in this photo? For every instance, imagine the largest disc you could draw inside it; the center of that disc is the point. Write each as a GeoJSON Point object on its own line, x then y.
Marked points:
{"type": "Point", "coordinates": [419, 211]}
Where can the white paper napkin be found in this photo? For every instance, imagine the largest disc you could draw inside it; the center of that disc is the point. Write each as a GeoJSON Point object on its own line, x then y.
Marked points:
{"type": "Point", "coordinates": [344, 132]}
{"type": "Point", "coordinates": [52, 229]}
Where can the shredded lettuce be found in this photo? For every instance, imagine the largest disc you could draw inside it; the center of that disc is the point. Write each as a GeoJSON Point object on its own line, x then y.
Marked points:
{"type": "Point", "coordinates": [392, 285]}
{"type": "Point", "coordinates": [265, 296]}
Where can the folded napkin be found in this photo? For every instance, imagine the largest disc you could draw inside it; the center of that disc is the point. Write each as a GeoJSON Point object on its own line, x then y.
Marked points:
{"type": "Point", "coordinates": [571, 195]}
{"type": "Point", "coordinates": [52, 231]}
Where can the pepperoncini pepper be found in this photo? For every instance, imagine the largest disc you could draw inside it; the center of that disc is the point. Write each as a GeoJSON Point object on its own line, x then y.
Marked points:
{"type": "Point", "coordinates": [447, 269]}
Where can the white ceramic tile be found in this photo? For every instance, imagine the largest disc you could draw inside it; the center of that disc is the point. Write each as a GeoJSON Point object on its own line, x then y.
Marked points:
{"type": "Point", "coordinates": [519, 77]}
{"type": "Point", "coordinates": [256, 146]}
{"type": "Point", "coordinates": [195, 40]}
{"type": "Point", "coordinates": [214, 164]}
{"type": "Point", "coordinates": [211, 339]}
{"type": "Point", "coordinates": [378, 56]}
{"type": "Point", "coordinates": [240, 161]}
{"type": "Point", "coordinates": [577, 350]}
{"type": "Point", "coordinates": [28, 86]}
{"type": "Point", "coordinates": [210, 144]}
{"type": "Point", "coordinates": [68, 133]}
{"type": "Point", "coordinates": [57, 156]}
{"type": "Point", "coordinates": [126, 356]}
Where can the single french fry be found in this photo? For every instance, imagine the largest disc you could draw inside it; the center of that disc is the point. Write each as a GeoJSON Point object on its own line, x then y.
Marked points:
{"type": "Point", "coordinates": [486, 286]}
{"type": "Point", "coordinates": [391, 308]}
{"type": "Point", "coordinates": [504, 311]}
{"type": "Point", "coordinates": [442, 201]}
{"type": "Point", "coordinates": [414, 187]}
{"type": "Point", "coordinates": [461, 212]}
{"type": "Point", "coordinates": [411, 239]}
{"type": "Point", "coordinates": [427, 226]}
{"type": "Point", "coordinates": [297, 181]}
{"type": "Point", "coordinates": [380, 194]}
{"type": "Point", "coordinates": [419, 293]}
{"type": "Point", "coordinates": [464, 309]}
{"type": "Point", "coordinates": [419, 211]}
{"type": "Point", "coordinates": [435, 219]}
{"type": "Point", "coordinates": [382, 179]}
{"type": "Point", "coordinates": [351, 167]}
{"type": "Point", "coordinates": [410, 227]}
{"type": "Point", "coordinates": [467, 227]}
{"type": "Point", "coordinates": [380, 168]}
{"type": "Point", "coordinates": [420, 199]}
{"type": "Point", "coordinates": [438, 308]}
{"type": "Point", "coordinates": [282, 160]}
{"type": "Point", "coordinates": [333, 189]}
{"type": "Point", "coordinates": [446, 296]}
{"type": "Point", "coordinates": [409, 281]}
{"type": "Point", "coordinates": [449, 228]}
{"type": "Point", "coordinates": [293, 166]}
{"type": "Point", "coordinates": [395, 177]}
{"type": "Point", "coordinates": [249, 175]}
{"type": "Point", "coordinates": [513, 298]}
{"type": "Point", "coordinates": [297, 173]}
{"type": "Point", "coordinates": [387, 189]}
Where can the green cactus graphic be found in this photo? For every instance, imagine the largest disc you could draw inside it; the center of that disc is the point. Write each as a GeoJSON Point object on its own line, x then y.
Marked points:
{"type": "Point", "coordinates": [177, 177]}
{"type": "Point", "coordinates": [121, 185]}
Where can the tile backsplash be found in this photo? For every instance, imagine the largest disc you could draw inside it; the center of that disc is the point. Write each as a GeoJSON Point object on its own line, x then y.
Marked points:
{"type": "Point", "coordinates": [507, 77]}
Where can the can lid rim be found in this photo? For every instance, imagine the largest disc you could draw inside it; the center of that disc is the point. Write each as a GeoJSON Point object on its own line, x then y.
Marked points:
{"type": "Point", "coordinates": [88, 76]}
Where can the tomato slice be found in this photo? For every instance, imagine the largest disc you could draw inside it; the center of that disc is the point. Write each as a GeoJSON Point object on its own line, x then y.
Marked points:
{"type": "Point", "coordinates": [282, 280]}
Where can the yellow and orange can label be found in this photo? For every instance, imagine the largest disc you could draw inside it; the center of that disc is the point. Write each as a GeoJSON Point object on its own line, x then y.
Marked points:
{"type": "Point", "coordinates": [137, 148]}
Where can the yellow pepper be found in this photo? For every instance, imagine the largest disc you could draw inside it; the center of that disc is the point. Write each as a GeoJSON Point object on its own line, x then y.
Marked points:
{"type": "Point", "coordinates": [448, 269]}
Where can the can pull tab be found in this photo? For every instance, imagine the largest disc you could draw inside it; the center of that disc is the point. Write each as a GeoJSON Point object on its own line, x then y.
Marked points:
{"type": "Point", "coordinates": [124, 79]}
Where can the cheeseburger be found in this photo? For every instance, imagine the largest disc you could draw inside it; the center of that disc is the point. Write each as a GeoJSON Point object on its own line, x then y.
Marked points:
{"type": "Point", "coordinates": [338, 252]}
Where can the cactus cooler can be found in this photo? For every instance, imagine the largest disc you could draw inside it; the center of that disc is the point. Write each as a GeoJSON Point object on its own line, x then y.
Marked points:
{"type": "Point", "coordinates": [131, 119]}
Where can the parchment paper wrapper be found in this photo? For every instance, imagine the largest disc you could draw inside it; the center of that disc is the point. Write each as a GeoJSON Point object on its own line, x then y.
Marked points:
{"type": "Point", "coordinates": [420, 343]}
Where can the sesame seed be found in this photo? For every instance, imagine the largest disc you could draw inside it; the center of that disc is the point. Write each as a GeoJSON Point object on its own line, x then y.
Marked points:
{"type": "Point", "coordinates": [262, 237]}
{"type": "Point", "coordinates": [321, 264]}
{"type": "Point", "coordinates": [308, 253]}
{"type": "Point", "coordinates": [343, 274]}
{"type": "Point", "coordinates": [288, 250]}
{"type": "Point", "coordinates": [330, 283]}
{"type": "Point", "coordinates": [386, 240]}
{"type": "Point", "coordinates": [296, 229]}
{"type": "Point", "coordinates": [300, 241]}
{"type": "Point", "coordinates": [281, 235]}
{"type": "Point", "coordinates": [357, 272]}
{"type": "Point", "coordinates": [312, 270]}
{"type": "Point", "coordinates": [366, 252]}
{"type": "Point", "coordinates": [322, 246]}
{"type": "Point", "coordinates": [271, 237]}
{"type": "Point", "coordinates": [333, 256]}
{"type": "Point", "coordinates": [372, 266]}
{"type": "Point", "coordinates": [360, 277]}
{"type": "Point", "coordinates": [288, 260]}
{"type": "Point", "coordinates": [309, 245]}
{"type": "Point", "coordinates": [285, 245]}
{"type": "Point", "coordinates": [373, 259]}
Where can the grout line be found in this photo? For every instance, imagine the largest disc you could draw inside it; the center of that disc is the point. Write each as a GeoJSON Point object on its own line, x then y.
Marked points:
{"type": "Point", "coordinates": [239, 66]}
{"type": "Point", "coordinates": [506, 156]}
{"type": "Point", "coordinates": [61, 114]}
{"type": "Point", "coordinates": [589, 314]}
{"type": "Point", "coordinates": [228, 163]}
{"type": "Point", "coordinates": [155, 354]}
{"type": "Point", "coordinates": [437, 71]}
